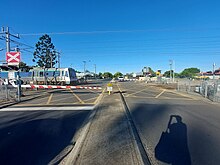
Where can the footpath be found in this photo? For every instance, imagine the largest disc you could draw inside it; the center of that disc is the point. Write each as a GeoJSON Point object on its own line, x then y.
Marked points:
{"type": "Point", "coordinates": [109, 139]}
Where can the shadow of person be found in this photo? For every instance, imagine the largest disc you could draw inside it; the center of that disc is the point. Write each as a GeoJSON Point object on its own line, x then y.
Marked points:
{"type": "Point", "coordinates": [172, 147]}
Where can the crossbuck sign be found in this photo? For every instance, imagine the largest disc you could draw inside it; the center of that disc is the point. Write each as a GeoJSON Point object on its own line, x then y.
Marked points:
{"type": "Point", "coordinates": [13, 58]}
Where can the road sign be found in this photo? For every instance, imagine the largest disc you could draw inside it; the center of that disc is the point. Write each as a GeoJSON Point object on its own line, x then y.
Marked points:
{"type": "Point", "coordinates": [109, 88]}
{"type": "Point", "coordinates": [13, 58]}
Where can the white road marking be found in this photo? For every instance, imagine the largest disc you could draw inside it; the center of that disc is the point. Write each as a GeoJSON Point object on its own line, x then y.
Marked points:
{"type": "Point", "coordinates": [160, 93]}
{"type": "Point", "coordinates": [50, 98]}
{"type": "Point", "coordinates": [47, 108]}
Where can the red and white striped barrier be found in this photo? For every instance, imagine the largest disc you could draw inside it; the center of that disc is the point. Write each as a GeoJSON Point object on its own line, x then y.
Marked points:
{"type": "Point", "coordinates": [55, 87]}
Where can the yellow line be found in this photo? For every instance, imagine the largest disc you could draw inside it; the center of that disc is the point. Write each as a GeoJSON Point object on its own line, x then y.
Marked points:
{"type": "Point", "coordinates": [181, 94]}
{"type": "Point", "coordinates": [55, 100]}
{"type": "Point", "coordinates": [136, 92]}
{"type": "Point", "coordinates": [95, 102]}
{"type": "Point", "coordinates": [90, 99]}
{"type": "Point", "coordinates": [119, 88]}
{"type": "Point", "coordinates": [160, 93]}
{"type": "Point", "coordinates": [82, 102]}
{"type": "Point", "coordinates": [50, 98]}
{"type": "Point", "coordinates": [188, 99]}
{"type": "Point", "coordinates": [163, 98]}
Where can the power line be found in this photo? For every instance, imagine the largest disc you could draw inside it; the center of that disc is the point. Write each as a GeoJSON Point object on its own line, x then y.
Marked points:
{"type": "Point", "coordinates": [119, 31]}
{"type": "Point", "coordinates": [20, 43]}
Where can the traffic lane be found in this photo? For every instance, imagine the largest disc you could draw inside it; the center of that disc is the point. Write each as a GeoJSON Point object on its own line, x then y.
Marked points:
{"type": "Point", "coordinates": [62, 97]}
{"type": "Point", "coordinates": [37, 137]}
{"type": "Point", "coordinates": [77, 96]}
{"type": "Point", "coordinates": [96, 83]}
{"type": "Point", "coordinates": [199, 142]}
{"type": "Point", "coordinates": [65, 96]}
{"type": "Point", "coordinates": [130, 86]}
{"type": "Point", "coordinates": [142, 90]}
{"type": "Point", "coordinates": [138, 89]}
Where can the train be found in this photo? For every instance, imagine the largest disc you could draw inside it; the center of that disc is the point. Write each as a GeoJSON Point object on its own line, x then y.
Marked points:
{"type": "Point", "coordinates": [58, 76]}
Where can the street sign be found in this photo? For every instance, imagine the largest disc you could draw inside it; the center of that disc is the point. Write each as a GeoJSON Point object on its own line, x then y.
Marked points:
{"type": "Point", "coordinates": [13, 58]}
{"type": "Point", "coordinates": [109, 88]}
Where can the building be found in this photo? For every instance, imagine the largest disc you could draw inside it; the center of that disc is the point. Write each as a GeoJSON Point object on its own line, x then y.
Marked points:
{"type": "Point", "coordinates": [209, 74]}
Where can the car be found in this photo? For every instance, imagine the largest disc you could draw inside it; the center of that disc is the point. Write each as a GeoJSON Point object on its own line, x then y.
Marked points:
{"type": "Point", "coordinates": [120, 78]}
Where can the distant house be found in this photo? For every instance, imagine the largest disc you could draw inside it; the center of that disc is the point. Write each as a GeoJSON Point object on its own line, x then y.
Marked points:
{"type": "Point", "coordinates": [217, 72]}
{"type": "Point", "coordinates": [138, 74]}
{"type": "Point", "coordinates": [209, 74]}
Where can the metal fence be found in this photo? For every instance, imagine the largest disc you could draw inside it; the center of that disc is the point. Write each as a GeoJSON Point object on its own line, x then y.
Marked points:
{"type": "Point", "coordinates": [7, 93]}
{"type": "Point", "coordinates": [209, 89]}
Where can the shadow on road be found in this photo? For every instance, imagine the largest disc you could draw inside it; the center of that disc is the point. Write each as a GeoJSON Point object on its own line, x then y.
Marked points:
{"type": "Point", "coordinates": [37, 137]}
{"type": "Point", "coordinates": [172, 147]}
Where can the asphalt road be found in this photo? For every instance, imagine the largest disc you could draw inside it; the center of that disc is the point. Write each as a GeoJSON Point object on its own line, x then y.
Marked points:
{"type": "Point", "coordinates": [39, 136]}
{"type": "Point", "coordinates": [66, 97]}
{"type": "Point", "coordinates": [175, 128]}
{"type": "Point", "coordinates": [43, 130]}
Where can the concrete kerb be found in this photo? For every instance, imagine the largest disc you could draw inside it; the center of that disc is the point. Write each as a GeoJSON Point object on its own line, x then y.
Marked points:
{"type": "Point", "coordinates": [81, 135]}
{"type": "Point", "coordinates": [142, 155]}
{"type": "Point", "coordinates": [72, 157]}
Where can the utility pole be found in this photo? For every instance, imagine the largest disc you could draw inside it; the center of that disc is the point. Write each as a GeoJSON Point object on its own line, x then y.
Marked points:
{"type": "Point", "coordinates": [171, 63]}
{"type": "Point", "coordinates": [95, 70]}
{"type": "Point", "coordinates": [8, 49]}
{"type": "Point", "coordinates": [51, 61]}
{"type": "Point", "coordinates": [7, 37]}
{"type": "Point", "coordinates": [173, 71]}
{"type": "Point", "coordinates": [213, 71]}
{"type": "Point", "coordinates": [84, 67]}
{"type": "Point", "coordinates": [59, 59]}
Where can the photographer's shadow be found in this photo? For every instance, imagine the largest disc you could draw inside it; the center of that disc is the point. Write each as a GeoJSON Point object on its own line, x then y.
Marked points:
{"type": "Point", "coordinates": [172, 147]}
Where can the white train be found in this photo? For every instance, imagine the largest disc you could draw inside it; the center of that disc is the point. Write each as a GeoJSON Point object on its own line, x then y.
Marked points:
{"type": "Point", "coordinates": [60, 76]}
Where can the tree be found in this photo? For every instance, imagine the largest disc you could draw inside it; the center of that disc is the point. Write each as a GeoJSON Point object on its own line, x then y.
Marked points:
{"type": "Point", "coordinates": [118, 74]}
{"type": "Point", "coordinates": [45, 54]}
{"type": "Point", "coordinates": [24, 67]}
{"type": "Point", "coordinates": [153, 74]}
{"type": "Point", "coordinates": [167, 74]}
{"type": "Point", "coordinates": [100, 75]}
{"type": "Point", "coordinates": [107, 75]}
{"type": "Point", "coordinates": [189, 72]}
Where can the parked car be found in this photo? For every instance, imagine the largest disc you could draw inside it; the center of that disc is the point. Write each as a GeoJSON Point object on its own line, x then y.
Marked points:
{"type": "Point", "coordinates": [120, 78]}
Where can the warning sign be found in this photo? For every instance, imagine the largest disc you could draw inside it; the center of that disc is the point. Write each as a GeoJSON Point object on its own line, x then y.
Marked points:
{"type": "Point", "coordinates": [109, 88]}
{"type": "Point", "coordinates": [13, 58]}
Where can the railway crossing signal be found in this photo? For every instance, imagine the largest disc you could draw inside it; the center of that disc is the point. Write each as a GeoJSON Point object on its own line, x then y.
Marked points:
{"type": "Point", "coordinates": [13, 58]}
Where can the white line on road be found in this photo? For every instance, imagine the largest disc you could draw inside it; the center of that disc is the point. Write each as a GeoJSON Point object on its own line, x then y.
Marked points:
{"type": "Point", "coordinates": [47, 108]}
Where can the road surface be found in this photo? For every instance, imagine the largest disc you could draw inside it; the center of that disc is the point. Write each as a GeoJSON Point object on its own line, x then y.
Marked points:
{"type": "Point", "coordinates": [43, 130]}
{"type": "Point", "coordinates": [194, 131]}
{"type": "Point", "coordinates": [174, 128]}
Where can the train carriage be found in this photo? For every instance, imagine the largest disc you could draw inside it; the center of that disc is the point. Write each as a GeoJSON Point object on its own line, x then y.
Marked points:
{"type": "Point", "coordinates": [60, 76]}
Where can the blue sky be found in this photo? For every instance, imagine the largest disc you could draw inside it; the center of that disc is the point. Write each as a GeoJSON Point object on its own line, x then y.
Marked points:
{"type": "Point", "coordinates": [120, 35]}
